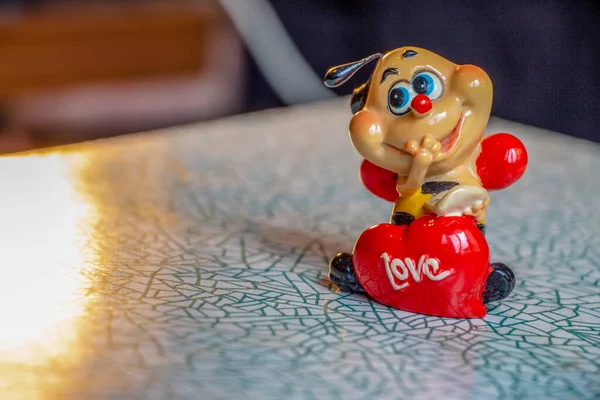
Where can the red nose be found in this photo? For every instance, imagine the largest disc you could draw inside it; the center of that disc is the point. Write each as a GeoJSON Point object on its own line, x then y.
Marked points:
{"type": "Point", "coordinates": [421, 104]}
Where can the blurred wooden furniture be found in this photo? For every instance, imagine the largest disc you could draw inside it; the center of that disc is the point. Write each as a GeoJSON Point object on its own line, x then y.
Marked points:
{"type": "Point", "coordinates": [80, 44]}
{"type": "Point", "coordinates": [86, 70]}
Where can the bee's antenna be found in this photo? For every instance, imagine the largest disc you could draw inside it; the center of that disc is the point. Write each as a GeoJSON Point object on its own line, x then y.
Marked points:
{"type": "Point", "coordinates": [336, 76]}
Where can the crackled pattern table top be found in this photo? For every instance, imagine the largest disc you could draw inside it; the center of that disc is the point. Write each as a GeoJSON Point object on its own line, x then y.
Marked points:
{"type": "Point", "coordinates": [192, 263]}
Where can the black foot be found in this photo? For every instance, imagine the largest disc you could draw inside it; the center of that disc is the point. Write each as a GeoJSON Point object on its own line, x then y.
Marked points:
{"type": "Point", "coordinates": [341, 272]}
{"type": "Point", "coordinates": [500, 283]}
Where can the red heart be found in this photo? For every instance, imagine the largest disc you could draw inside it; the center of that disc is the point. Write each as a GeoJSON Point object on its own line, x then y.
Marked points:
{"type": "Point", "coordinates": [435, 266]}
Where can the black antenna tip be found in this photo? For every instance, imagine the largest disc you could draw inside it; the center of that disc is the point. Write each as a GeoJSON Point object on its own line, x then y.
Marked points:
{"type": "Point", "coordinates": [336, 76]}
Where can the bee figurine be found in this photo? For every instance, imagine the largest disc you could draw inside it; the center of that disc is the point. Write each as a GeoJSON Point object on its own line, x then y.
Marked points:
{"type": "Point", "coordinates": [418, 122]}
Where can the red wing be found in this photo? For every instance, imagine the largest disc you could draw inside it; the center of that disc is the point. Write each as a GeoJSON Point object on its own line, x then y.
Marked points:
{"type": "Point", "coordinates": [502, 161]}
{"type": "Point", "coordinates": [379, 181]}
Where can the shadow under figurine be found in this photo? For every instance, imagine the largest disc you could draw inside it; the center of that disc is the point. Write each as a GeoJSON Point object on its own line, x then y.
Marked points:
{"type": "Point", "coordinates": [419, 122]}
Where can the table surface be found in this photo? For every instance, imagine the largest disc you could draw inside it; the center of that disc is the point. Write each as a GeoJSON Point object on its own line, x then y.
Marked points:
{"type": "Point", "coordinates": [192, 263]}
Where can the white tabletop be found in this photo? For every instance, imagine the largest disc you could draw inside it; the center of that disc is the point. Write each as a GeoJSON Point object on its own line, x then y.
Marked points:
{"type": "Point", "coordinates": [192, 263]}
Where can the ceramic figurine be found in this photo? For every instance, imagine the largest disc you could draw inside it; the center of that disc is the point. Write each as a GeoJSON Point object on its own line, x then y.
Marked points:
{"type": "Point", "coordinates": [418, 122]}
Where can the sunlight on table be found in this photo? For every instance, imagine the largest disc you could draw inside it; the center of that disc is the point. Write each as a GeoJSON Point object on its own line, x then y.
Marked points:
{"type": "Point", "coordinates": [42, 288]}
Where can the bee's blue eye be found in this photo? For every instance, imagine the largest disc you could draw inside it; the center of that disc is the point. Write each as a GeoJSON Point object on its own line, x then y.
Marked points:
{"type": "Point", "coordinates": [423, 84]}
{"type": "Point", "coordinates": [429, 84]}
{"type": "Point", "coordinates": [399, 98]}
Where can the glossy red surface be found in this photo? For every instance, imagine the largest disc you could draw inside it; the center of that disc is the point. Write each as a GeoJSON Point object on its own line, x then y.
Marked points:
{"type": "Point", "coordinates": [502, 162]}
{"type": "Point", "coordinates": [449, 286]}
{"type": "Point", "coordinates": [421, 104]}
{"type": "Point", "coordinates": [379, 181]}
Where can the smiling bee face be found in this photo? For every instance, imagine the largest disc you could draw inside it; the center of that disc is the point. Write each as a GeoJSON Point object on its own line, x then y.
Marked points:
{"type": "Point", "coordinates": [413, 93]}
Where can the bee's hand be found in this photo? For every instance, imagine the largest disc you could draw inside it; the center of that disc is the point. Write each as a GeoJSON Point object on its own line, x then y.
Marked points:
{"type": "Point", "coordinates": [424, 154]}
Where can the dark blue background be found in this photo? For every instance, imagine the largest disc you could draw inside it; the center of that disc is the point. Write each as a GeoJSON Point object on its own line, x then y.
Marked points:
{"type": "Point", "coordinates": [543, 56]}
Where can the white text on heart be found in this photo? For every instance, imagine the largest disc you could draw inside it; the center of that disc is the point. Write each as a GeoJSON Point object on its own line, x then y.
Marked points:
{"type": "Point", "coordinates": [399, 269]}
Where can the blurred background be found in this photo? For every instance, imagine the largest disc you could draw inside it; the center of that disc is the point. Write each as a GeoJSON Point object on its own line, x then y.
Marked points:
{"type": "Point", "coordinates": [79, 70]}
